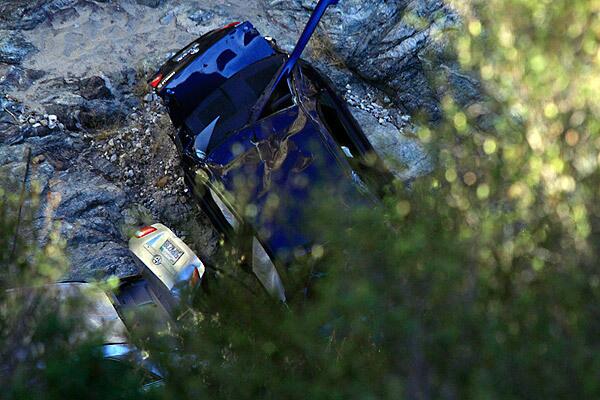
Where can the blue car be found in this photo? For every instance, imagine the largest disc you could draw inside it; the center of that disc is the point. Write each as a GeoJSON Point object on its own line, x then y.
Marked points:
{"type": "Point", "coordinates": [262, 134]}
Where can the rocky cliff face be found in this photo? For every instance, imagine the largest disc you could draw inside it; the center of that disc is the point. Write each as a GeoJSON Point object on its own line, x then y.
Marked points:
{"type": "Point", "coordinates": [400, 46]}
{"type": "Point", "coordinates": [72, 89]}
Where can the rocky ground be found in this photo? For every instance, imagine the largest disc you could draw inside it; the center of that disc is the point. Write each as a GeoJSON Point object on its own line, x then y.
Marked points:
{"type": "Point", "coordinates": [72, 89]}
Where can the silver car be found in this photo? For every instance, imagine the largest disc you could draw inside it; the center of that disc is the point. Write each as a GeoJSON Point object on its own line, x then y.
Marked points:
{"type": "Point", "coordinates": [169, 265]}
{"type": "Point", "coordinates": [101, 312]}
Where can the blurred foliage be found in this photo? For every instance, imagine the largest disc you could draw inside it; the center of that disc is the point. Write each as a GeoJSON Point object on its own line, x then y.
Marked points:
{"type": "Point", "coordinates": [46, 348]}
{"type": "Point", "coordinates": [480, 282]}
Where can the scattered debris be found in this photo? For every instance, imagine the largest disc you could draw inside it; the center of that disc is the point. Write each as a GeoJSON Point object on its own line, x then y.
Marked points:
{"type": "Point", "coordinates": [145, 157]}
{"type": "Point", "coordinates": [367, 102]}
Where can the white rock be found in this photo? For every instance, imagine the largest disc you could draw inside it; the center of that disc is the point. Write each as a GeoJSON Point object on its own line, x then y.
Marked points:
{"type": "Point", "coordinates": [150, 97]}
{"type": "Point", "coordinates": [52, 121]}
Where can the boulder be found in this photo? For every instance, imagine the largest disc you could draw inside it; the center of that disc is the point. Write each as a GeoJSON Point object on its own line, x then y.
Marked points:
{"type": "Point", "coordinates": [66, 106]}
{"type": "Point", "coordinates": [200, 16]}
{"type": "Point", "coordinates": [149, 3]}
{"type": "Point", "coordinates": [94, 87]}
{"type": "Point", "coordinates": [14, 77]}
{"type": "Point", "coordinates": [90, 210]}
{"type": "Point", "coordinates": [28, 14]}
{"type": "Point", "coordinates": [97, 114]}
{"type": "Point", "coordinates": [13, 47]}
{"type": "Point", "coordinates": [89, 102]}
{"type": "Point", "coordinates": [405, 157]}
{"type": "Point", "coordinates": [22, 14]}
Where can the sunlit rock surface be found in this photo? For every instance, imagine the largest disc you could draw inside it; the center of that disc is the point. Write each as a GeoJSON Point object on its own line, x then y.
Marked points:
{"type": "Point", "coordinates": [405, 156]}
{"type": "Point", "coordinates": [399, 45]}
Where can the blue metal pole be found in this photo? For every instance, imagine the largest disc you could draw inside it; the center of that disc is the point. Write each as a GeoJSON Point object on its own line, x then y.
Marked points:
{"type": "Point", "coordinates": [309, 29]}
{"type": "Point", "coordinates": [285, 70]}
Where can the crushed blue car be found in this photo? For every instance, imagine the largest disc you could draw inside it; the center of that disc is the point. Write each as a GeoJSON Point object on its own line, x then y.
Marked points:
{"type": "Point", "coordinates": [261, 134]}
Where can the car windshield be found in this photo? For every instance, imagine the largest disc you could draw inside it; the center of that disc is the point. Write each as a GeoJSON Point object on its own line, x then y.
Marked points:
{"type": "Point", "coordinates": [229, 107]}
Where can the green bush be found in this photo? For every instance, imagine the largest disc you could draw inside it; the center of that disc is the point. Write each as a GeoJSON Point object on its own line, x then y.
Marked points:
{"type": "Point", "coordinates": [480, 282]}
{"type": "Point", "coordinates": [46, 349]}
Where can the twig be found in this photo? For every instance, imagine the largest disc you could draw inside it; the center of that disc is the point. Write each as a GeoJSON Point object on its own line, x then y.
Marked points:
{"type": "Point", "coordinates": [12, 115]}
{"type": "Point", "coordinates": [21, 202]}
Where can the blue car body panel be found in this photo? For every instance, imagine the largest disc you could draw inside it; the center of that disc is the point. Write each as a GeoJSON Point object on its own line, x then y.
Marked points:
{"type": "Point", "coordinates": [283, 162]}
{"type": "Point", "coordinates": [241, 46]}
